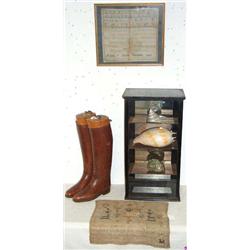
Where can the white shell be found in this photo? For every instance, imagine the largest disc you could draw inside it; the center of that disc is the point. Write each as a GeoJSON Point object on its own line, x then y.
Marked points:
{"type": "Point", "coordinates": [155, 117]}
{"type": "Point", "coordinates": [155, 137]}
{"type": "Point", "coordinates": [152, 116]}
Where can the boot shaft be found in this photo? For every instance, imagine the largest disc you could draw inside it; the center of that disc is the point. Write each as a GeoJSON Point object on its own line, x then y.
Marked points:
{"type": "Point", "coordinates": [102, 145]}
{"type": "Point", "coordinates": [86, 148]}
{"type": "Point", "coordinates": [85, 140]}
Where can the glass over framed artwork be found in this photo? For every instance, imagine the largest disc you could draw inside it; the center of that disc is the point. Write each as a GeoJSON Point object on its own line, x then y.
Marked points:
{"type": "Point", "coordinates": [130, 34]}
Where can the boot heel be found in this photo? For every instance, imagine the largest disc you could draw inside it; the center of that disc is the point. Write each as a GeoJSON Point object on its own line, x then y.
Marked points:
{"type": "Point", "coordinates": [106, 191]}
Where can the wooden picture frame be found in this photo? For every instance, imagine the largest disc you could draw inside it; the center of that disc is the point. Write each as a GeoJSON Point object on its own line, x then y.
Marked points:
{"type": "Point", "coordinates": [130, 34]}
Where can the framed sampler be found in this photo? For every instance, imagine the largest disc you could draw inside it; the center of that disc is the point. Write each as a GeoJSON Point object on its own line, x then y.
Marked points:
{"type": "Point", "coordinates": [130, 34]}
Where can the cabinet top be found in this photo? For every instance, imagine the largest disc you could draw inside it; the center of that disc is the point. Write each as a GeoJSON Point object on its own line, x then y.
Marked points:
{"type": "Point", "coordinates": [148, 93]}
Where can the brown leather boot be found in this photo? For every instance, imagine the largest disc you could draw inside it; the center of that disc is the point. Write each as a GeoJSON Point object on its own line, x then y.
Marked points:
{"type": "Point", "coordinates": [101, 139]}
{"type": "Point", "coordinates": [86, 148]}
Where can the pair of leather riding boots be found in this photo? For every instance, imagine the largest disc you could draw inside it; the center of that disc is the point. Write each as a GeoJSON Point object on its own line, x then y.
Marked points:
{"type": "Point", "coordinates": [96, 141]}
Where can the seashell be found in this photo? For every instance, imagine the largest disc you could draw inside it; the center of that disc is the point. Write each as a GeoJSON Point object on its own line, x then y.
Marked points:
{"type": "Point", "coordinates": [154, 116]}
{"type": "Point", "coordinates": [155, 166]}
{"type": "Point", "coordinates": [155, 137]}
{"type": "Point", "coordinates": [155, 108]}
{"type": "Point", "coordinates": [155, 154]}
{"type": "Point", "coordinates": [139, 128]}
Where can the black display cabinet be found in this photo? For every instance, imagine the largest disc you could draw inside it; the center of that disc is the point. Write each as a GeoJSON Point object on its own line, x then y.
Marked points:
{"type": "Point", "coordinates": [153, 172]}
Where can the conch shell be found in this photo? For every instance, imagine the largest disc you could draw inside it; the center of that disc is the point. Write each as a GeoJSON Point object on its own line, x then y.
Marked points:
{"type": "Point", "coordinates": [155, 137]}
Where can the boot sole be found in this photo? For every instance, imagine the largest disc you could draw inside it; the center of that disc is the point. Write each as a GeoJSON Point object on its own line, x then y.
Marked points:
{"type": "Point", "coordinates": [103, 193]}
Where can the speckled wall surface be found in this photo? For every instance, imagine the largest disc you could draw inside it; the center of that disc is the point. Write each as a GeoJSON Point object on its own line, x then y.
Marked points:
{"type": "Point", "coordinates": [100, 89]}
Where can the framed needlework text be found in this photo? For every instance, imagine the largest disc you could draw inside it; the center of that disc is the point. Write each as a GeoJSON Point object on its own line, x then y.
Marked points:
{"type": "Point", "coordinates": [130, 34]}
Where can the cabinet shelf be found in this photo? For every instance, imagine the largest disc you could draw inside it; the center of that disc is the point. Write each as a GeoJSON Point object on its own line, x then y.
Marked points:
{"type": "Point", "coordinates": [140, 167]}
{"type": "Point", "coordinates": [141, 155]}
{"type": "Point", "coordinates": [143, 119]}
{"type": "Point", "coordinates": [172, 146]}
{"type": "Point", "coordinates": [144, 111]}
{"type": "Point", "coordinates": [153, 190]}
{"type": "Point", "coordinates": [152, 197]}
{"type": "Point", "coordinates": [141, 127]}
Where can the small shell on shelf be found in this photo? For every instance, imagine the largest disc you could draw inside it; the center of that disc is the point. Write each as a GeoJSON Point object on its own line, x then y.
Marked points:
{"type": "Point", "coordinates": [155, 137]}
{"type": "Point", "coordinates": [155, 166]}
{"type": "Point", "coordinates": [155, 108]}
{"type": "Point", "coordinates": [154, 116]}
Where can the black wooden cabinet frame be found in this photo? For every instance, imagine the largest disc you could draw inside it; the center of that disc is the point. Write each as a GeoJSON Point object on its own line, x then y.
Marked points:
{"type": "Point", "coordinates": [166, 187]}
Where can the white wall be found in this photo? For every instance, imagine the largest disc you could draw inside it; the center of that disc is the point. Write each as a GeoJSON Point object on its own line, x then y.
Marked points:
{"type": "Point", "coordinates": [100, 89]}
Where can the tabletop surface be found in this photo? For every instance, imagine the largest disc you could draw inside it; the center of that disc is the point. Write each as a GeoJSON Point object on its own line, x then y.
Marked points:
{"type": "Point", "coordinates": [77, 217]}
